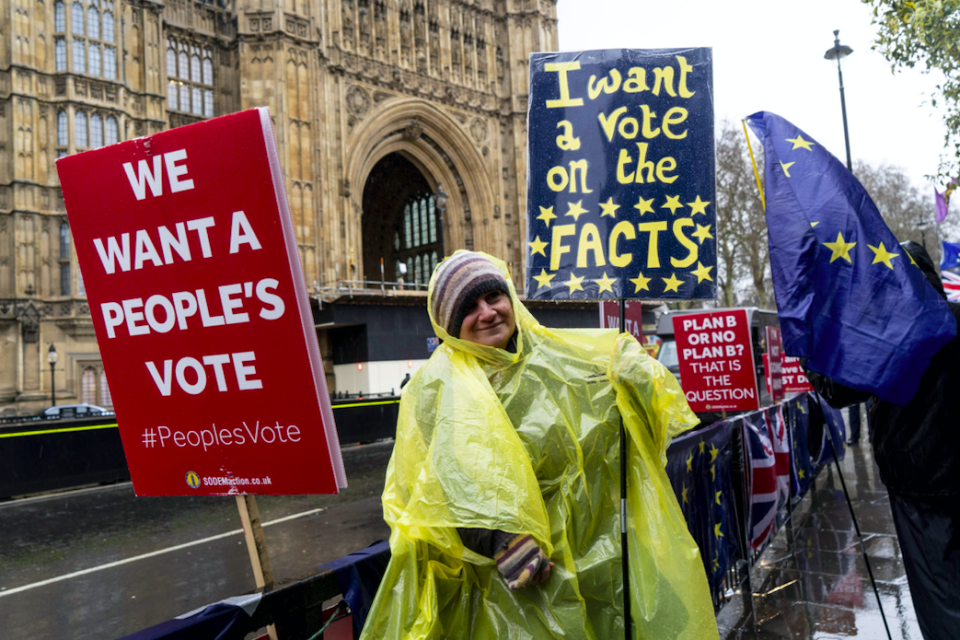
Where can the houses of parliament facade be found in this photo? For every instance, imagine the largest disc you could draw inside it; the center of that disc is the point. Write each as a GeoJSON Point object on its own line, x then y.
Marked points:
{"type": "Point", "coordinates": [376, 105]}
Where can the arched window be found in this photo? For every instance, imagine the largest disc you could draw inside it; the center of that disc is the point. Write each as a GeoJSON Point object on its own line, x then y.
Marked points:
{"type": "Point", "coordinates": [108, 27]}
{"type": "Point", "coordinates": [62, 131]}
{"type": "Point", "coordinates": [60, 53]}
{"type": "Point", "coordinates": [88, 386]}
{"type": "Point", "coordinates": [433, 262]}
{"type": "Point", "coordinates": [171, 61]}
{"type": "Point", "coordinates": [184, 98]}
{"type": "Point", "coordinates": [93, 59]}
{"type": "Point", "coordinates": [208, 103]}
{"type": "Point", "coordinates": [407, 228]}
{"type": "Point", "coordinates": [59, 18]}
{"type": "Point", "coordinates": [208, 71]}
{"type": "Point", "coordinates": [76, 19]}
{"type": "Point", "coordinates": [113, 131]}
{"type": "Point", "coordinates": [80, 129]}
{"type": "Point", "coordinates": [105, 399]}
{"type": "Point", "coordinates": [417, 269]}
{"type": "Point", "coordinates": [432, 217]}
{"type": "Point", "coordinates": [171, 94]}
{"type": "Point", "coordinates": [109, 63]}
{"type": "Point", "coordinates": [79, 56]}
{"type": "Point", "coordinates": [197, 100]}
{"type": "Point", "coordinates": [64, 241]}
{"type": "Point", "coordinates": [424, 226]}
{"type": "Point", "coordinates": [96, 131]}
{"type": "Point", "coordinates": [93, 23]}
{"type": "Point", "coordinates": [65, 260]}
{"type": "Point", "coordinates": [184, 67]}
{"type": "Point", "coordinates": [195, 75]}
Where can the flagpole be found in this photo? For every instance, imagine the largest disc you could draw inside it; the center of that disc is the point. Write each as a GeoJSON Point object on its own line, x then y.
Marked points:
{"type": "Point", "coordinates": [856, 525]}
{"type": "Point", "coordinates": [756, 174]}
{"type": "Point", "coordinates": [625, 566]}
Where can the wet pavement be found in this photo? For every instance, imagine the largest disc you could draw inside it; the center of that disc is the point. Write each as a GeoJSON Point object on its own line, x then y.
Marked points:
{"type": "Point", "coordinates": [50, 537]}
{"type": "Point", "coordinates": [812, 581]}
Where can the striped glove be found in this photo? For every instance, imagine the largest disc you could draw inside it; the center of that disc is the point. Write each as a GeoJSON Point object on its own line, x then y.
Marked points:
{"type": "Point", "coordinates": [521, 562]}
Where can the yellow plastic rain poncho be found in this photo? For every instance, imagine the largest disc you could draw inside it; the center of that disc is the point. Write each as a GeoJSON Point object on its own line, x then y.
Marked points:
{"type": "Point", "coordinates": [528, 442]}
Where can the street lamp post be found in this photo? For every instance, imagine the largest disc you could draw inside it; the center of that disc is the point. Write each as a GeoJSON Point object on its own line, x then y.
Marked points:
{"type": "Point", "coordinates": [52, 359]}
{"type": "Point", "coordinates": [841, 51]}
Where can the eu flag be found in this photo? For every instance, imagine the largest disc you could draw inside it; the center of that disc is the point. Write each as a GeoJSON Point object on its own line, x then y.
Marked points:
{"type": "Point", "coordinates": [699, 465]}
{"type": "Point", "coordinates": [951, 256]}
{"type": "Point", "coordinates": [850, 301]}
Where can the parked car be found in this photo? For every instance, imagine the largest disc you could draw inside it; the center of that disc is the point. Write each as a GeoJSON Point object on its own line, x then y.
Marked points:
{"type": "Point", "coordinates": [74, 411]}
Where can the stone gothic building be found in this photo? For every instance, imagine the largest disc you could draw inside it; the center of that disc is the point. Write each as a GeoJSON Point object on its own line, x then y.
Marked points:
{"type": "Point", "coordinates": [376, 105]}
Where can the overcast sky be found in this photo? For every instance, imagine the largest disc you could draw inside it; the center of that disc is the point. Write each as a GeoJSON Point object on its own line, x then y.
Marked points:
{"type": "Point", "coordinates": [768, 55]}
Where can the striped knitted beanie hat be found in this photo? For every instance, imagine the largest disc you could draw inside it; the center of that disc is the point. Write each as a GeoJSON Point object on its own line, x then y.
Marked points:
{"type": "Point", "coordinates": [457, 282]}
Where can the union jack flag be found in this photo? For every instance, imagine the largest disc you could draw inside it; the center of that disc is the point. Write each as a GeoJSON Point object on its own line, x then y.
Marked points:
{"type": "Point", "coordinates": [777, 428]}
{"type": "Point", "coordinates": [763, 480]}
{"type": "Point", "coordinates": [951, 284]}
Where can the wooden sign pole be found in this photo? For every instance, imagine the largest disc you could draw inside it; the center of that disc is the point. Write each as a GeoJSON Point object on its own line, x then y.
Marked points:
{"type": "Point", "coordinates": [256, 547]}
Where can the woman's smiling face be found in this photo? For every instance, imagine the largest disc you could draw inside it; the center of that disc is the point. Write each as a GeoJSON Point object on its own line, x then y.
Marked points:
{"type": "Point", "coordinates": [489, 320]}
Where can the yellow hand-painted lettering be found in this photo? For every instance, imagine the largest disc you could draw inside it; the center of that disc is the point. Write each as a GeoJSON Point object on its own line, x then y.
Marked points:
{"type": "Point", "coordinates": [653, 253]}
{"type": "Point", "coordinates": [561, 69]}
{"type": "Point", "coordinates": [606, 85]}
{"type": "Point", "coordinates": [678, 225]}
{"type": "Point", "coordinates": [590, 241]}
{"type": "Point", "coordinates": [624, 229]}
{"type": "Point", "coordinates": [557, 248]}
{"type": "Point", "coordinates": [566, 140]}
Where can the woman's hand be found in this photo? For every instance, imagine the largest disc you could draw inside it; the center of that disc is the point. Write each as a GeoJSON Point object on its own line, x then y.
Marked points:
{"type": "Point", "coordinates": [522, 562]}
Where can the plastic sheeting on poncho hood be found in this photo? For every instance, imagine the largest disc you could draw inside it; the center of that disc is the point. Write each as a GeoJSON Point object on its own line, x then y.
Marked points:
{"type": "Point", "coordinates": [528, 442]}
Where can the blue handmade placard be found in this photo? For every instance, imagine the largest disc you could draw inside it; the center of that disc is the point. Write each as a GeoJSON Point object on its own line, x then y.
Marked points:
{"type": "Point", "coordinates": [621, 176]}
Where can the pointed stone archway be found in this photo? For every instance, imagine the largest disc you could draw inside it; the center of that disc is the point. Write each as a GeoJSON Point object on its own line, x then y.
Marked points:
{"type": "Point", "coordinates": [434, 144]}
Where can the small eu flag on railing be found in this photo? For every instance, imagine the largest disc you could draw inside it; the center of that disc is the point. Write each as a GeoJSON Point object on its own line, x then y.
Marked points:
{"type": "Point", "coordinates": [850, 300]}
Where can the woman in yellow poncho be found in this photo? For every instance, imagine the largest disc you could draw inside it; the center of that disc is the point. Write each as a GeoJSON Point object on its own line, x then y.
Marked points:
{"type": "Point", "coordinates": [507, 453]}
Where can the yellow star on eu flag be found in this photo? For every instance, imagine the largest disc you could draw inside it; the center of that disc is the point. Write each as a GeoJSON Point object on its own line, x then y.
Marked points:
{"type": "Point", "coordinates": [880, 254]}
{"type": "Point", "coordinates": [690, 462]}
{"type": "Point", "coordinates": [576, 210]}
{"type": "Point", "coordinates": [716, 562]}
{"type": "Point", "coordinates": [800, 143]}
{"type": "Point", "coordinates": [672, 283]}
{"type": "Point", "coordinates": [544, 278]}
{"type": "Point", "coordinates": [640, 283]}
{"type": "Point", "coordinates": [644, 206]}
{"type": "Point", "coordinates": [673, 203]}
{"type": "Point", "coordinates": [717, 498]}
{"type": "Point", "coordinates": [546, 214]}
{"type": "Point", "coordinates": [716, 530]}
{"type": "Point", "coordinates": [609, 208]}
{"type": "Point", "coordinates": [702, 273]}
{"type": "Point", "coordinates": [702, 445]}
{"type": "Point", "coordinates": [574, 283]}
{"type": "Point", "coordinates": [699, 206]}
{"type": "Point", "coordinates": [606, 284]}
{"type": "Point", "coordinates": [702, 232]}
{"type": "Point", "coordinates": [802, 474]}
{"type": "Point", "coordinates": [813, 224]}
{"type": "Point", "coordinates": [786, 167]}
{"type": "Point", "coordinates": [713, 452]}
{"type": "Point", "coordinates": [684, 494]}
{"type": "Point", "coordinates": [537, 246]}
{"type": "Point", "coordinates": [841, 248]}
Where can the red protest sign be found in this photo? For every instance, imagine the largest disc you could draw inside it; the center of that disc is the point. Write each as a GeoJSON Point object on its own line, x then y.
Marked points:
{"type": "Point", "coordinates": [716, 360]}
{"type": "Point", "coordinates": [192, 273]}
{"type": "Point", "coordinates": [633, 323]}
{"type": "Point", "coordinates": [774, 356]}
{"type": "Point", "coordinates": [794, 380]}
